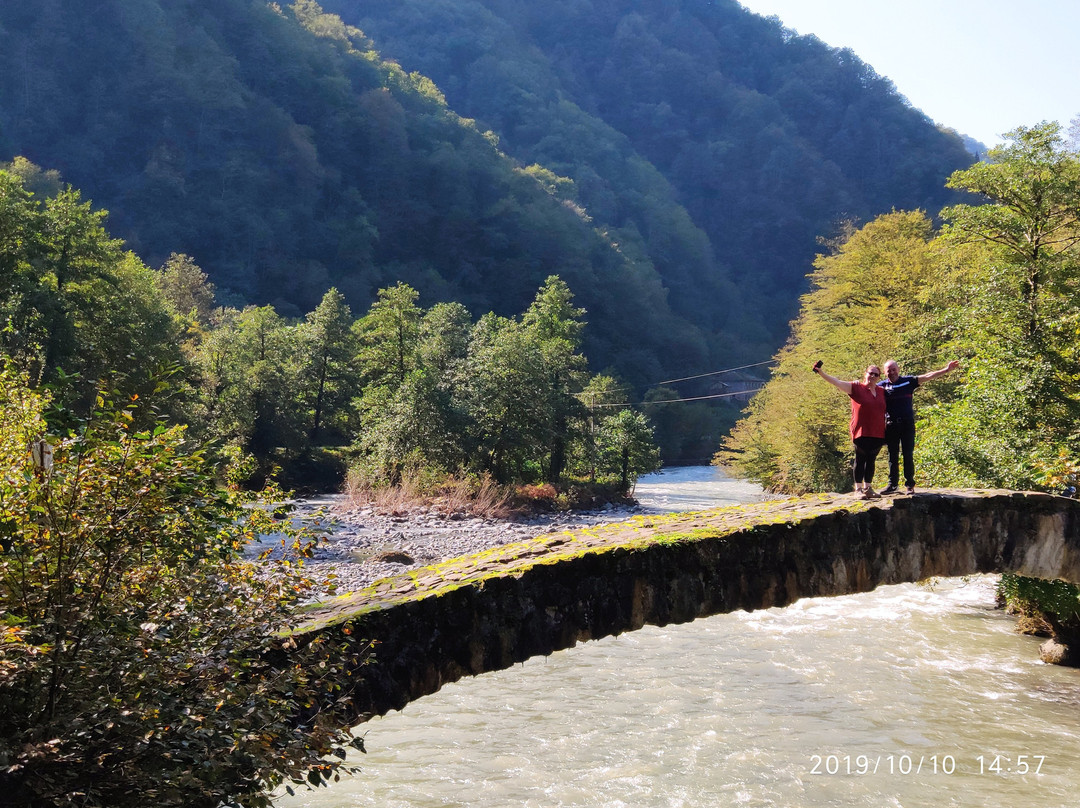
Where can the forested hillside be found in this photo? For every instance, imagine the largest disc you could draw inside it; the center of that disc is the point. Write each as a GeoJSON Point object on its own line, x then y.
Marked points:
{"type": "Point", "coordinates": [673, 162]}
{"type": "Point", "coordinates": [285, 156]}
{"type": "Point", "coordinates": [655, 108]}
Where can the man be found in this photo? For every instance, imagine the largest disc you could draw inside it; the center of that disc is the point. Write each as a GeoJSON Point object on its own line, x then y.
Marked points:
{"type": "Point", "coordinates": [900, 420]}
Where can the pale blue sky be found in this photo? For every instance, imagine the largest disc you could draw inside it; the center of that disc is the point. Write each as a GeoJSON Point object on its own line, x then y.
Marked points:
{"type": "Point", "coordinates": [982, 67]}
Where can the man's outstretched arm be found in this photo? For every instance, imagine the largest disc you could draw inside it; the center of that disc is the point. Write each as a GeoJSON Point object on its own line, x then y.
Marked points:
{"type": "Point", "coordinates": [933, 374]}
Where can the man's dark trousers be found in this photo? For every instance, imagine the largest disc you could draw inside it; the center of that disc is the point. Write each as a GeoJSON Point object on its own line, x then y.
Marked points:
{"type": "Point", "coordinates": [900, 434]}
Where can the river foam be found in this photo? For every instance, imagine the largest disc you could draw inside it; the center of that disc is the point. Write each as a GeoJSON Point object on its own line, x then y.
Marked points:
{"type": "Point", "coordinates": [906, 696]}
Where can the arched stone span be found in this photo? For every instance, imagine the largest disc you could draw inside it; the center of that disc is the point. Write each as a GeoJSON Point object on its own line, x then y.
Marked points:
{"type": "Point", "coordinates": [489, 611]}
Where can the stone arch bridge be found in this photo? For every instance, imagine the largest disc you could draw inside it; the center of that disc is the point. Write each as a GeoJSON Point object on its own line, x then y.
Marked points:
{"type": "Point", "coordinates": [491, 610]}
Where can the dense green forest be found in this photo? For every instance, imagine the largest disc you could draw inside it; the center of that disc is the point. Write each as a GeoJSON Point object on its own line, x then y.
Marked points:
{"type": "Point", "coordinates": [671, 162]}
{"type": "Point", "coordinates": [996, 286]}
{"type": "Point", "coordinates": [716, 139]}
{"type": "Point", "coordinates": [282, 153]}
{"type": "Point", "coordinates": [411, 391]}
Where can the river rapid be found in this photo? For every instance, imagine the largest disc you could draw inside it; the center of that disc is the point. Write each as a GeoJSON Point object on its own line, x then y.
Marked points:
{"type": "Point", "coordinates": [906, 696]}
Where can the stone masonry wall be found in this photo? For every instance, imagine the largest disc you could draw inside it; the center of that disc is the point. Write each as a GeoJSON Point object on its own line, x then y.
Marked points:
{"type": "Point", "coordinates": [435, 628]}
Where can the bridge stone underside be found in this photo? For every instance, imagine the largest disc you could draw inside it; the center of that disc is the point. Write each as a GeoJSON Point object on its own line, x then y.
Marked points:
{"type": "Point", "coordinates": [487, 612]}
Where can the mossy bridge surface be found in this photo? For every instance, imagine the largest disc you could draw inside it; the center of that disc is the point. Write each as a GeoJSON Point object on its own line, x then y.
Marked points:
{"type": "Point", "coordinates": [488, 611]}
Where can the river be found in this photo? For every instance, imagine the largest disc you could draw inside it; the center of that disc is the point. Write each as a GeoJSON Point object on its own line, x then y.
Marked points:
{"type": "Point", "coordinates": [906, 696]}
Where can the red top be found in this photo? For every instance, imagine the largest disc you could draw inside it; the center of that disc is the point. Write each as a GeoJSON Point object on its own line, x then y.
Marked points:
{"type": "Point", "coordinates": [867, 412]}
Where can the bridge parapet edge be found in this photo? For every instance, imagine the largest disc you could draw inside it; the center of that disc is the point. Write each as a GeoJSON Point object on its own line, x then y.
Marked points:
{"type": "Point", "coordinates": [776, 554]}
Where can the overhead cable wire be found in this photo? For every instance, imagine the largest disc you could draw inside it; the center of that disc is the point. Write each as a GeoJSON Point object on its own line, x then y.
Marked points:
{"type": "Point", "coordinates": [714, 373]}
{"type": "Point", "coordinates": [685, 378]}
{"type": "Point", "coordinates": [673, 400]}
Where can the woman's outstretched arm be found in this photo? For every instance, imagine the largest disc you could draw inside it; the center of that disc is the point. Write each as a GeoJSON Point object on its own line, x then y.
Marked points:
{"type": "Point", "coordinates": [835, 382]}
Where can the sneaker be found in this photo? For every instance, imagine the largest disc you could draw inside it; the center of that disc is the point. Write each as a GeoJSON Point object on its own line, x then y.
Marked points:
{"type": "Point", "coordinates": [911, 489]}
{"type": "Point", "coordinates": [889, 489]}
{"type": "Point", "coordinates": [870, 493]}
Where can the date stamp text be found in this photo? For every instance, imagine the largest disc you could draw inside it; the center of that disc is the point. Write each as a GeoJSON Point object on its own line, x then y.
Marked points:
{"type": "Point", "coordinates": [922, 764]}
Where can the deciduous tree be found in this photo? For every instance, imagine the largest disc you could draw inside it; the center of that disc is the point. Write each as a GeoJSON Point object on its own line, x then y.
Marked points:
{"type": "Point", "coordinates": [627, 447]}
{"type": "Point", "coordinates": [555, 324]}
{"type": "Point", "coordinates": [135, 642]}
{"type": "Point", "coordinates": [794, 437]}
{"type": "Point", "coordinates": [78, 308]}
{"type": "Point", "coordinates": [388, 334]}
{"type": "Point", "coordinates": [328, 371]}
{"type": "Point", "coordinates": [1016, 414]}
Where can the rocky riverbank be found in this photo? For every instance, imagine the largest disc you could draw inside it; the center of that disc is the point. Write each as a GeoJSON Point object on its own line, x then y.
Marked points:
{"type": "Point", "coordinates": [360, 545]}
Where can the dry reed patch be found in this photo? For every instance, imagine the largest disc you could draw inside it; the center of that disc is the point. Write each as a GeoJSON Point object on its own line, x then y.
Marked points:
{"type": "Point", "coordinates": [476, 496]}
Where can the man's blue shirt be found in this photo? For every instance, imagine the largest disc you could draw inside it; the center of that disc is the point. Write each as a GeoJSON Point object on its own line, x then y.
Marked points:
{"type": "Point", "coordinates": [899, 405]}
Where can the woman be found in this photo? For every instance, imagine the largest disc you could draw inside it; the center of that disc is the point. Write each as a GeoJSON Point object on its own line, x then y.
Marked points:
{"type": "Point", "coordinates": [867, 423]}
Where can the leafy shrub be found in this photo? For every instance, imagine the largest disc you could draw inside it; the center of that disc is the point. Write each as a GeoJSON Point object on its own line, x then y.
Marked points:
{"type": "Point", "coordinates": [1059, 600]}
{"type": "Point", "coordinates": [140, 659]}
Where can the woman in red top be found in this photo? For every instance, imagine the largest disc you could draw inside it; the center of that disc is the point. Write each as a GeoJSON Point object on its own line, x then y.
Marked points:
{"type": "Point", "coordinates": [867, 423]}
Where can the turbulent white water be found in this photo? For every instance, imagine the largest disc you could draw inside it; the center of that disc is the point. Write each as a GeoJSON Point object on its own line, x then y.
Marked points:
{"type": "Point", "coordinates": [693, 488]}
{"type": "Point", "coordinates": [906, 696]}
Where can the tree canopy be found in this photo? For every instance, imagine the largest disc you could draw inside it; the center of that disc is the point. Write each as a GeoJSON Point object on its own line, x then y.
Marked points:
{"type": "Point", "coordinates": [996, 287]}
{"type": "Point", "coordinates": [672, 162]}
{"type": "Point", "coordinates": [135, 641]}
{"type": "Point", "coordinates": [714, 142]}
{"type": "Point", "coordinates": [72, 299]}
